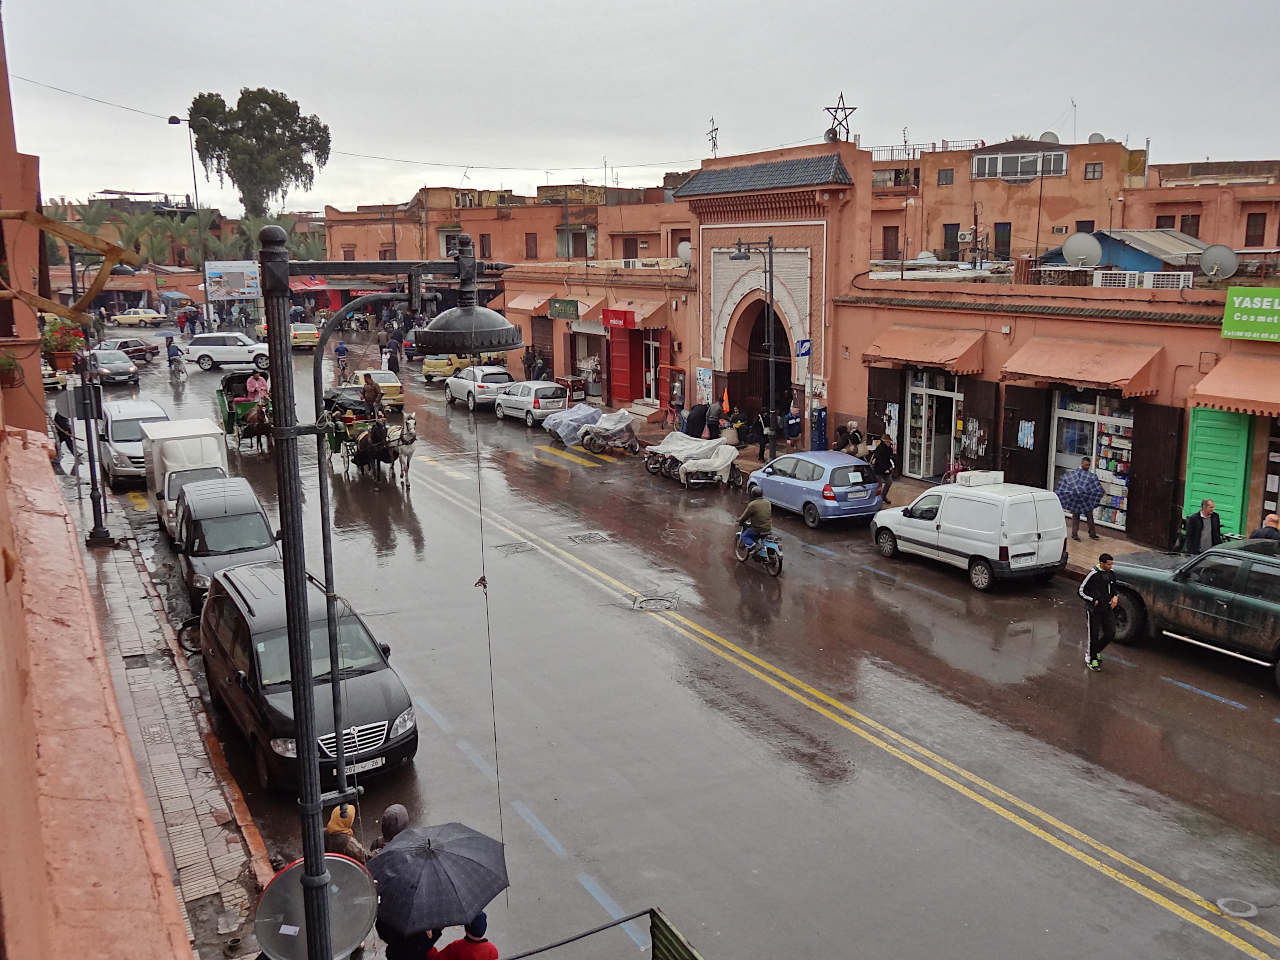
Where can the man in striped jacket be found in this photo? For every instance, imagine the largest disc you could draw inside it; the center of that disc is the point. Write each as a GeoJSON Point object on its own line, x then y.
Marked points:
{"type": "Point", "coordinates": [1098, 591]}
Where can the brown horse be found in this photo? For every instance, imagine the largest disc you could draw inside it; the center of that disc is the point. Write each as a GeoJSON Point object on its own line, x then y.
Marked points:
{"type": "Point", "coordinates": [373, 450]}
{"type": "Point", "coordinates": [256, 425]}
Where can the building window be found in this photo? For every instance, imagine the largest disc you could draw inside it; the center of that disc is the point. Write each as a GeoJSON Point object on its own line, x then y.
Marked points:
{"type": "Point", "coordinates": [1166, 222]}
{"type": "Point", "coordinates": [385, 252]}
{"type": "Point", "coordinates": [348, 253]}
{"type": "Point", "coordinates": [1019, 166]}
{"type": "Point", "coordinates": [1084, 226]}
{"type": "Point", "coordinates": [1190, 224]}
{"type": "Point", "coordinates": [951, 241]}
{"type": "Point", "coordinates": [486, 245]}
{"type": "Point", "coordinates": [630, 248]}
{"type": "Point", "coordinates": [1255, 229]}
{"type": "Point", "coordinates": [531, 246]}
{"type": "Point", "coordinates": [946, 176]}
{"type": "Point", "coordinates": [1004, 238]}
{"type": "Point", "coordinates": [449, 243]}
{"type": "Point", "coordinates": [889, 243]}
{"type": "Point", "coordinates": [882, 178]}
{"type": "Point", "coordinates": [1093, 171]}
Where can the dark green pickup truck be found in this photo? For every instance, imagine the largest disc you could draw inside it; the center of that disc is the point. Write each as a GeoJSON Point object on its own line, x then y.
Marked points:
{"type": "Point", "coordinates": [1226, 599]}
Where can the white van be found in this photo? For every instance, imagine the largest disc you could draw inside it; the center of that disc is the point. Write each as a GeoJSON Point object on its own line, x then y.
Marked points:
{"type": "Point", "coordinates": [120, 438]}
{"type": "Point", "coordinates": [178, 452]}
{"type": "Point", "coordinates": [993, 529]}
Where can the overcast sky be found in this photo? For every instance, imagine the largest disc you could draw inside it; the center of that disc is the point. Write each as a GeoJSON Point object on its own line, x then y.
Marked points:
{"type": "Point", "coordinates": [538, 86]}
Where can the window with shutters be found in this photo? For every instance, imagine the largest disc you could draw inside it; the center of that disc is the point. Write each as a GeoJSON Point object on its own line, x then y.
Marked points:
{"type": "Point", "coordinates": [1255, 229]}
{"type": "Point", "coordinates": [1190, 224]}
{"type": "Point", "coordinates": [348, 253]}
{"type": "Point", "coordinates": [1093, 171]}
{"type": "Point", "coordinates": [1166, 222]}
{"type": "Point", "coordinates": [486, 245]}
{"type": "Point", "coordinates": [946, 176]}
{"type": "Point", "coordinates": [531, 246]}
{"type": "Point", "coordinates": [1084, 226]}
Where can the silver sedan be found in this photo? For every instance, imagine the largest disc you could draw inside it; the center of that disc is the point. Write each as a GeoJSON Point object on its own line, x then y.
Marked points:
{"type": "Point", "coordinates": [532, 400]}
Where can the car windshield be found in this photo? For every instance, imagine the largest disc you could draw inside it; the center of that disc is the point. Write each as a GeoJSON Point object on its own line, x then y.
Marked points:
{"type": "Point", "coordinates": [180, 478]}
{"type": "Point", "coordinates": [216, 535]}
{"type": "Point", "coordinates": [498, 378]}
{"type": "Point", "coordinates": [356, 649]}
{"type": "Point", "coordinates": [130, 431]}
{"type": "Point", "coordinates": [111, 356]}
{"type": "Point", "coordinates": [846, 476]}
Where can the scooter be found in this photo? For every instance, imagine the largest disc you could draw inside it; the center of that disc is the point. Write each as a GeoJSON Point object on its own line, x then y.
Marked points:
{"type": "Point", "coordinates": [767, 551]}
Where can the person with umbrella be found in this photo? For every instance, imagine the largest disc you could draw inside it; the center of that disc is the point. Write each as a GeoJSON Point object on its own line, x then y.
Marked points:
{"type": "Point", "coordinates": [1080, 491]}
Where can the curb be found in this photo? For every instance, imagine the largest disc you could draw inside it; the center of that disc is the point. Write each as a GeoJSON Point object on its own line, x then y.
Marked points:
{"type": "Point", "coordinates": [258, 856]}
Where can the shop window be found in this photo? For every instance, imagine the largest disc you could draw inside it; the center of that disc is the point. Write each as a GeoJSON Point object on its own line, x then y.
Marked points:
{"type": "Point", "coordinates": [348, 253]}
{"type": "Point", "coordinates": [1255, 229]}
{"type": "Point", "coordinates": [1166, 222]}
{"type": "Point", "coordinates": [531, 246]}
{"type": "Point", "coordinates": [1091, 423]}
{"type": "Point", "coordinates": [1093, 171]}
{"type": "Point", "coordinates": [946, 176]}
{"type": "Point", "coordinates": [1190, 224]}
{"type": "Point", "coordinates": [1084, 226]}
{"type": "Point", "coordinates": [486, 245]}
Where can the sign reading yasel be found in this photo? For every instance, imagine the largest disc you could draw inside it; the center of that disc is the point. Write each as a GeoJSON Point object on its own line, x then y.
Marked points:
{"type": "Point", "coordinates": [1252, 313]}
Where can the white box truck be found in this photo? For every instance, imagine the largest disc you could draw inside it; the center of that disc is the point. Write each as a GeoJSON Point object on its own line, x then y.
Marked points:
{"type": "Point", "coordinates": [178, 452]}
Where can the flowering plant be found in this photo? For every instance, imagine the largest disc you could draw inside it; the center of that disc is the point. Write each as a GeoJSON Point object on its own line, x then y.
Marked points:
{"type": "Point", "coordinates": [62, 335]}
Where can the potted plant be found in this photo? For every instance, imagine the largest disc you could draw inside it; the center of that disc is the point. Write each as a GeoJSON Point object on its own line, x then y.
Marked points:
{"type": "Point", "coordinates": [11, 372]}
{"type": "Point", "coordinates": [61, 340]}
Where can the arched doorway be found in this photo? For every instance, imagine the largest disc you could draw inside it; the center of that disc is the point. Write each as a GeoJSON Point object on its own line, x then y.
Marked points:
{"type": "Point", "coordinates": [748, 359]}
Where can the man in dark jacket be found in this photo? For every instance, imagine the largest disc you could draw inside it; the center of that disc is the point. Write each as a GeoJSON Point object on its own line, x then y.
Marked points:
{"type": "Point", "coordinates": [757, 519]}
{"type": "Point", "coordinates": [883, 463]}
{"type": "Point", "coordinates": [1204, 529]}
{"type": "Point", "coordinates": [696, 422]}
{"type": "Point", "coordinates": [1098, 591]}
{"type": "Point", "coordinates": [1270, 529]}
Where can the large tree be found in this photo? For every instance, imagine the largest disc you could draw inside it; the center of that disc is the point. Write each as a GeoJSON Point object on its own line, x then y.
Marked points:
{"type": "Point", "coordinates": [264, 145]}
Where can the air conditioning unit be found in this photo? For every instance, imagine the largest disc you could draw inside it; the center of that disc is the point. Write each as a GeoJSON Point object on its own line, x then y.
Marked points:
{"type": "Point", "coordinates": [964, 236]}
{"type": "Point", "coordinates": [1060, 230]}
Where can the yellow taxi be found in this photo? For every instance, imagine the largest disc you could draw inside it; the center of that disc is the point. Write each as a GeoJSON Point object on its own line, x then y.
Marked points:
{"type": "Point", "coordinates": [447, 364]}
{"type": "Point", "coordinates": [304, 336]}
{"type": "Point", "coordinates": [137, 317]}
{"type": "Point", "coordinates": [392, 391]}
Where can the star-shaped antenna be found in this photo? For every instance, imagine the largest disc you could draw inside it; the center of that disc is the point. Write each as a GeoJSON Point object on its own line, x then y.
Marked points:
{"type": "Point", "coordinates": [840, 117]}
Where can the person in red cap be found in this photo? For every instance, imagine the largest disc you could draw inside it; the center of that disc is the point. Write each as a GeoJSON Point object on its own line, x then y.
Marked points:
{"type": "Point", "coordinates": [472, 946]}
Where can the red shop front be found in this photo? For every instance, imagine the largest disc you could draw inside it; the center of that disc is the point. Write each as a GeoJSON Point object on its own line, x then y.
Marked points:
{"type": "Point", "coordinates": [639, 352]}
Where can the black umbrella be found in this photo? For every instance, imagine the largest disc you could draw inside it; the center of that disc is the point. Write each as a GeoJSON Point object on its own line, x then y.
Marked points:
{"type": "Point", "coordinates": [433, 877]}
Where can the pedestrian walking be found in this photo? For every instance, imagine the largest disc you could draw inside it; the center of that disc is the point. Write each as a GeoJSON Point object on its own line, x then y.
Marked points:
{"type": "Point", "coordinates": [795, 426]}
{"type": "Point", "coordinates": [182, 322]}
{"type": "Point", "coordinates": [765, 422]}
{"type": "Point", "coordinates": [394, 819]}
{"type": "Point", "coordinates": [472, 945]}
{"type": "Point", "coordinates": [696, 422]}
{"type": "Point", "coordinates": [526, 361]}
{"type": "Point", "coordinates": [1203, 529]}
{"type": "Point", "coordinates": [382, 338]}
{"type": "Point", "coordinates": [1270, 529]}
{"type": "Point", "coordinates": [1098, 591]}
{"type": "Point", "coordinates": [65, 433]}
{"type": "Point", "coordinates": [340, 838]}
{"type": "Point", "coordinates": [883, 463]}
{"type": "Point", "coordinates": [1080, 492]}
{"type": "Point", "coordinates": [393, 354]}
{"type": "Point", "coordinates": [713, 421]}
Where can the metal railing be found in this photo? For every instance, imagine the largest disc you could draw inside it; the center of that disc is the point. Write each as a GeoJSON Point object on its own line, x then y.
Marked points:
{"type": "Point", "coordinates": [913, 151]}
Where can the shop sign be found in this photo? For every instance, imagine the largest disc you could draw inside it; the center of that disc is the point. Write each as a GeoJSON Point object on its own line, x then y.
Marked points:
{"type": "Point", "coordinates": [625, 319]}
{"type": "Point", "coordinates": [1251, 313]}
{"type": "Point", "coordinates": [562, 309]}
{"type": "Point", "coordinates": [233, 279]}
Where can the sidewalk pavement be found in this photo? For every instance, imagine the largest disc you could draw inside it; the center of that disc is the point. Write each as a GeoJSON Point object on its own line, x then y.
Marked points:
{"type": "Point", "coordinates": [213, 849]}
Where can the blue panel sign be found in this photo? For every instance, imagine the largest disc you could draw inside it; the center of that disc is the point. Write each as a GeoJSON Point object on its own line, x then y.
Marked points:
{"type": "Point", "coordinates": [804, 348]}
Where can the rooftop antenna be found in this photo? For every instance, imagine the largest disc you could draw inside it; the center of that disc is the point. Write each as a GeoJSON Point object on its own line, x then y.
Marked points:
{"type": "Point", "coordinates": [1073, 120]}
{"type": "Point", "coordinates": [1082, 250]}
{"type": "Point", "coordinates": [713, 135]}
{"type": "Point", "coordinates": [1218, 262]}
{"type": "Point", "coordinates": [840, 114]}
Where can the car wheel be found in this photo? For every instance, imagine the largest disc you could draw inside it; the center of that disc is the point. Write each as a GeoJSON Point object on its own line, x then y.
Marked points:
{"type": "Point", "coordinates": [449, 398]}
{"type": "Point", "coordinates": [142, 323]}
{"type": "Point", "coordinates": [471, 402]}
{"type": "Point", "coordinates": [887, 543]}
{"type": "Point", "coordinates": [753, 491]}
{"type": "Point", "coordinates": [497, 410]}
{"type": "Point", "coordinates": [262, 361]}
{"type": "Point", "coordinates": [981, 576]}
{"type": "Point", "coordinates": [205, 362]}
{"type": "Point", "coordinates": [1131, 618]}
{"type": "Point", "coordinates": [811, 516]}
{"type": "Point", "coordinates": [262, 767]}
{"type": "Point", "coordinates": [529, 419]}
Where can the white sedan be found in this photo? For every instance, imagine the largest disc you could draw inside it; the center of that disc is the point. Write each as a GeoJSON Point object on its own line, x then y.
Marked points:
{"type": "Point", "coordinates": [477, 386]}
{"type": "Point", "coordinates": [534, 400]}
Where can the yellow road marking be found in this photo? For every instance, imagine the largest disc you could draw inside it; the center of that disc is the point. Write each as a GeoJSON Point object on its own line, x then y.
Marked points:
{"type": "Point", "coordinates": [568, 456]}
{"type": "Point", "coordinates": [139, 502]}
{"type": "Point", "coordinates": [827, 706]}
{"type": "Point", "coordinates": [603, 456]}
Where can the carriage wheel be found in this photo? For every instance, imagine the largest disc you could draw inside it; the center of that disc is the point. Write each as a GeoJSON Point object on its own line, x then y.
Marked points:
{"type": "Point", "coordinates": [346, 457]}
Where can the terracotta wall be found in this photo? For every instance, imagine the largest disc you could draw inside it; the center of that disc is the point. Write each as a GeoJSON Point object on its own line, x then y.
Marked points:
{"type": "Point", "coordinates": [1223, 210]}
{"type": "Point", "coordinates": [661, 225]}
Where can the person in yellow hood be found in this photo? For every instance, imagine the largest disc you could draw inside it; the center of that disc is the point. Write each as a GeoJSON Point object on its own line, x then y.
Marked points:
{"type": "Point", "coordinates": [340, 838]}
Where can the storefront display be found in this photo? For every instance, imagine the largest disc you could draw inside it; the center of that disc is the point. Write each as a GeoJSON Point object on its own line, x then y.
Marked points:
{"type": "Point", "coordinates": [1099, 425]}
{"type": "Point", "coordinates": [935, 423]}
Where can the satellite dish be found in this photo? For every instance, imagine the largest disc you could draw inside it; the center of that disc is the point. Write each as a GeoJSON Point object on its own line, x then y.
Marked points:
{"type": "Point", "coordinates": [1082, 250]}
{"type": "Point", "coordinates": [1219, 262]}
{"type": "Point", "coordinates": [684, 250]}
{"type": "Point", "coordinates": [832, 135]}
{"type": "Point", "coordinates": [1049, 137]}
{"type": "Point", "coordinates": [1097, 138]}
{"type": "Point", "coordinates": [279, 923]}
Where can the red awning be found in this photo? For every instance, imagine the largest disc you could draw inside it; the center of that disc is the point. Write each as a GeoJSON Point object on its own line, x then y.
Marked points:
{"type": "Point", "coordinates": [631, 314]}
{"type": "Point", "coordinates": [529, 302]}
{"type": "Point", "coordinates": [1241, 383]}
{"type": "Point", "coordinates": [957, 351]}
{"type": "Point", "coordinates": [1130, 368]}
{"type": "Point", "coordinates": [300, 284]}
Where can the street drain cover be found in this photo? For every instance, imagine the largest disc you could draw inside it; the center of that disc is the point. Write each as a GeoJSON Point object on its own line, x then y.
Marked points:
{"type": "Point", "coordinates": [136, 661]}
{"type": "Point", "coordinates": [653, 604]}
{"type": "Point", "coordinates": [1234, 907]}
{"type": "Point", "coordinates": [511, 549]}
{"type": "Point", "coordinates": [593, 536]}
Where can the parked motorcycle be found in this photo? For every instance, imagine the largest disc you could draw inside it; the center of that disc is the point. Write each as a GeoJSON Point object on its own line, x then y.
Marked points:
{"type": "Point", "coordinates": [613, 431]}
{"type": "Point", "coordinates": [767, 551]}
{"type": "Point", "coordinates": [717, 467]}
{"type": "Point", "coordinates": [675, 449]}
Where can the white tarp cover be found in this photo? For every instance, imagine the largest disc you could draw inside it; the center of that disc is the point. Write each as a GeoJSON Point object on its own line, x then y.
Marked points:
{"type": "Point", "coordinates": [718, 461]}
{"type": "Point", "coordinates": [611, 423]}
{"type": "Point", "coordinates": [568, 424]}
{"type": "Point", "coordinates": [683, 447]}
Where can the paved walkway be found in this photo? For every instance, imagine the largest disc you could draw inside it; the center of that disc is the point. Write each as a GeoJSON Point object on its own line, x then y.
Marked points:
{"type": "Point", "coordinates": [214, 852]}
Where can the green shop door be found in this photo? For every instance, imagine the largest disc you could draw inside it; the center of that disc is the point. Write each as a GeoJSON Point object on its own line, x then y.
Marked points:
{"type": "Point", "coordinates": [1218, 465]}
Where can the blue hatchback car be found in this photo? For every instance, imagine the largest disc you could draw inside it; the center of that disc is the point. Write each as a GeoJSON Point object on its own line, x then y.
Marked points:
{"type": "Point", "coordinates": [819, 485]}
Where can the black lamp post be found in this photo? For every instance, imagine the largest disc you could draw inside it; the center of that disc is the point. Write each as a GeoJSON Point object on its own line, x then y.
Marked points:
{"type": "Point", "coordinates": [765, 249]}
{"type": "Point", "coordinates": [195, 193]}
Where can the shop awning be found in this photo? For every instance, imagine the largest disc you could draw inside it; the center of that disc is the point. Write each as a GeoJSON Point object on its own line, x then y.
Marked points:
{"type": "Point", "coordinates": [531, 302]}
{"type": "Point", "coordinates": [631, 314]}
{"type": "Point", "coordinates": [1241, 383]}
{"type": "Point", "coordinates": [589, 307]}
{"type": "Point", "coordinates": [1129, 368]}
{"type": "Point", "coordinates": [958, 351]}
{"type": "Point", "coordinates": [301, 284]}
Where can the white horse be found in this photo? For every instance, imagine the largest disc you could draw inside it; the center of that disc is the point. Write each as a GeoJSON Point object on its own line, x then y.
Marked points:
{"type": "Point", "coordinates": [403, 445]}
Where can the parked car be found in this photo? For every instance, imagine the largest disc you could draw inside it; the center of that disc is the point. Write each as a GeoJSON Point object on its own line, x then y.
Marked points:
{"type": "Point", "coordinates": [220, 524]}
{"type": "Point", "coordinates": [450, 364]}
{"type": "Point", "coordinates": [1226, 600]}
{"type": "Point", "coordinates": [178, 452]}
{"type": "Point", "coordinates": [821, 485]}
{"type": "Point", "coordinates": [993, 529]}
{"type": "Point", "coordinates": [304, 336]}
{"type": "Point", "coordinates": [209, 350]}
{"type": "Point", "coordinates": [120, 438]}
{"type": "Point", "coordinates": [530, 400]}
{"type": "Point", "coordinates": [139, 351]}
{"type": "Point", "coordinates": [111, 366]}
{"type": "Point", "coordinates": [137, 317]}
{"type": "Point", "coordinates": [478, 386]}
{"type": "Point", "coordinates": [392, 389]}
{"type": "Point", "coordinates": [246, 659]}
{"type": "Point", "coordinates": [53, 379]}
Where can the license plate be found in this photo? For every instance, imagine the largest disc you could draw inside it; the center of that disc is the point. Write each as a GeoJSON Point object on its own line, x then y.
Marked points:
{"type": "Point", "coordinates": [554, 404]}
{"type": "Point", "coordinates": [365, 765]}
{"type": "Point", "coordinates": [1022, 559]}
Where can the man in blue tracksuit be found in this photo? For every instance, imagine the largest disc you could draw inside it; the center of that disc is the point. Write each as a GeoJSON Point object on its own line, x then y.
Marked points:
{"type": "Point", "coordinates": [1098, 591]}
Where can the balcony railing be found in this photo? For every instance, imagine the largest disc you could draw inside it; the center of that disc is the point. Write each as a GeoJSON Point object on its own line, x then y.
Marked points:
{"type": "Point", "coordinates": [913, 151]}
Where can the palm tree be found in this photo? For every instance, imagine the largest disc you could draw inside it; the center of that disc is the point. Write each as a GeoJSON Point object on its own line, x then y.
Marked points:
{"type": "Point", "coordinates": [252, 226]}
{"type": "Point", "coordinates": [157, 243]}
{"type": "Point", "coordinates": [133, 228]}
{"type": "Point", "coordinates": [93, 216]}
{"type": "Point", "coordinates": [307, 246]}
{"type": "Point", "coordinates": [225, 248]}
{"type": "Point", "coordinates": [54, 256]}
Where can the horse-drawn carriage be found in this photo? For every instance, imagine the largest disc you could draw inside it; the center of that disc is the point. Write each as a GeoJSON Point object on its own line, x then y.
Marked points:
{"type": "Point", "coordinates": [241, 417]}
{"type": "Point", "coordinates": [361, 435]}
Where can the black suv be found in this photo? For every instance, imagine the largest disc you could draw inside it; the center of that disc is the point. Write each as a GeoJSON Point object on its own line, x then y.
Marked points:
{"type": "Point", "coordinates": [1227, 599]}
{"type": "Point", "coordinates": [246, 656]}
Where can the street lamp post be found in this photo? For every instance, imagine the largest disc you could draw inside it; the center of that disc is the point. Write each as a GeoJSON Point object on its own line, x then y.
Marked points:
{"type": "Point", "coordinates": [195, 193]}
{"type": "Point", "coordinates": [87, 409]}
{"type": "Point", "coordinates": [765, 249]}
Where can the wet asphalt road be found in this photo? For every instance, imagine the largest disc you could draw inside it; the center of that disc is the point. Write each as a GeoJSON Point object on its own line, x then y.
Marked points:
{"type": "Point", "coordinates": [863, 751]}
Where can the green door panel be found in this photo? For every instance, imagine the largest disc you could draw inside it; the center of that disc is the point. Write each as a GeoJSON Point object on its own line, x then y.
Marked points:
{"type": "Point", "coordinates": [1218, 465]}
